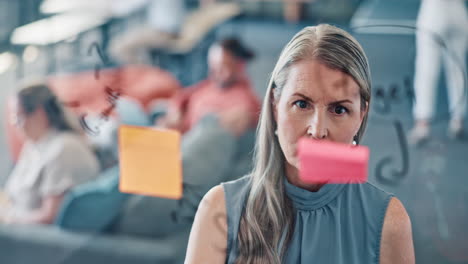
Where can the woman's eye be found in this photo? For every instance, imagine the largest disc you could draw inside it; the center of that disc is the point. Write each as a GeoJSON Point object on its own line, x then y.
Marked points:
{"type": "Point", "coordinates": [339, 110]}
{"type": "Point", "coordinates": [301, 104]}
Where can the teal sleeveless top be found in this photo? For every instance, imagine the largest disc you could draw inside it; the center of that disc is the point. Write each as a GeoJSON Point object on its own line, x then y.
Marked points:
{"type": "Point", "coordinates": [339, 224]}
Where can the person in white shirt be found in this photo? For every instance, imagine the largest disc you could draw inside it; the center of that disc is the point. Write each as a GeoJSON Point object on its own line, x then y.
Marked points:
{"type": "Point", "coordinates": [163, 23]}
{"type": "Point", "coordinates": [55, 158]}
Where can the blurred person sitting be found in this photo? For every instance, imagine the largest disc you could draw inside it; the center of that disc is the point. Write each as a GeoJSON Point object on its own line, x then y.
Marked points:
{"type": "Point", "coordinates": [226, 93]}
{"type": "Point", "coordinates": [54, 159]}
{"type": "Point", "coordinates": [164, 19]}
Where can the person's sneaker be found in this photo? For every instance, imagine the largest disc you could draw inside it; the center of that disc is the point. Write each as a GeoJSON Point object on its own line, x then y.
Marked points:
{"type": "Point", "coordinates": [419, 134]}
{"type": "Point", "coordinates": [455, 130]}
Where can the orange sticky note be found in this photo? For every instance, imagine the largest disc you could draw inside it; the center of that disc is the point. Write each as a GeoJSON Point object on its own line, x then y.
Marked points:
{"type": "Point", "coordinates": [150, 162]}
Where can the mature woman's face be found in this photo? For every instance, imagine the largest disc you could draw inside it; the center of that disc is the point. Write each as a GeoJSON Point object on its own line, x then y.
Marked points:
{"type": "Point", "coordinates": [317, 102]}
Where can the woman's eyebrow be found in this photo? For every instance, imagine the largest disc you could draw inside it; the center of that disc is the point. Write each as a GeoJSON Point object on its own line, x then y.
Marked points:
{"type": "Point", "coordinates": [303, 96]}
{"type": "Point", "coordinates": [341, 101]}
{"type": "Point", "coordinates": [332, 103]}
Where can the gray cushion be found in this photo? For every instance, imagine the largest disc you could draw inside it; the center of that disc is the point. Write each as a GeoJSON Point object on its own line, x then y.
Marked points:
{"type": "Point", "coordinates": [51, 245]}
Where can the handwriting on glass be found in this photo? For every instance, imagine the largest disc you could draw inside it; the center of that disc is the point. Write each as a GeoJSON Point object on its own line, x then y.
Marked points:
{"type": "Point", "coordinates": [396, 174]}
{"type": "Point", "coordinates": [384, 98]}
{"type": "Point", "coordinates": [113, 94]}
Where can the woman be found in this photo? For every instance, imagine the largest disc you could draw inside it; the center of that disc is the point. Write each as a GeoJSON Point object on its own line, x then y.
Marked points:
{"type": "Point", "coordinates": [320, 89]}
{"type": "Point", "coordinates": [54, 159]}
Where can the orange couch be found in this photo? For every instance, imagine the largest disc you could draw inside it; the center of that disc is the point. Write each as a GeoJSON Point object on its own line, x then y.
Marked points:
{"type": "Point", "coordinates": [85, 92]}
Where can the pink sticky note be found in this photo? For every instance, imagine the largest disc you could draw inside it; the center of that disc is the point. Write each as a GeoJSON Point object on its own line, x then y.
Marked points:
{"type": "Point", "coordinates": [330, 162]}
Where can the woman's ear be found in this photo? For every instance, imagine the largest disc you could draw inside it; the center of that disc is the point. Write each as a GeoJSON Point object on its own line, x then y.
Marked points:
{"type": "Point", "coordinates": [364, 111]}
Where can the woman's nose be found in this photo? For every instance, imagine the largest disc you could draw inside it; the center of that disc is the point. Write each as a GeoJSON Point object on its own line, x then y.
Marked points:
{"type": "Point", "coordinates": [317, 127]}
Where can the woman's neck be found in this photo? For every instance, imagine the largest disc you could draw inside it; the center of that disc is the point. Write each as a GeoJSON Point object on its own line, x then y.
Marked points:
{"type": "Point", "coordinates": [40, 134]}
{"type": "Point", "coordinates": [292, 174]}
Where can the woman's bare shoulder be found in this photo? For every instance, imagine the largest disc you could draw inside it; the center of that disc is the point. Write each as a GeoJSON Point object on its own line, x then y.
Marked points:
{"type": "Point", "coordinates": [397, 241]}
{"type": "Point", "coordinates": [208, 238]}
{"type": "Point", "coordinates": [214, 200]}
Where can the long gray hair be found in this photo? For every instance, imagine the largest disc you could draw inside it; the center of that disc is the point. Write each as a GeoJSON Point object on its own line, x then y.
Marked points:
{"type": "Point", "coordinates": [268, 217]}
